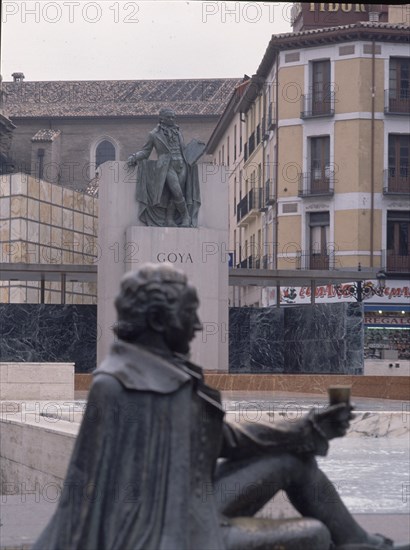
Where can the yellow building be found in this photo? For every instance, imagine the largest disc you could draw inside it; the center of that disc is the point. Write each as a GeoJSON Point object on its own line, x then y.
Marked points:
{"type": "Point", "coordinates": [325, 164]}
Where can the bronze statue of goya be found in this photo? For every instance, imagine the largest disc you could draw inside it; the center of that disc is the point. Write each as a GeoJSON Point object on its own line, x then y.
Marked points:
{"type": "Point", "coordinates": [168, 189]}
{"type": "Point", "coordinates": [156, 466]}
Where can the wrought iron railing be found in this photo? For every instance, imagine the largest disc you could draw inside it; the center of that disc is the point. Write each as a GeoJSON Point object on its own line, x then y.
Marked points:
{"type": "Point", "coordinates": [396, 181]}
{"type": "Point", "coordinates": [320, 259]}
{"type": "Point", "coordinates": [397, 101]}
{"type": "Point", "coordinates": [317, 182]}
{"type": "Point", "coordinates": [252, 201]}
{"type": "Point", "coordinates": [319, 104]}
{"type": "Point", "coordinates": [397, 263]}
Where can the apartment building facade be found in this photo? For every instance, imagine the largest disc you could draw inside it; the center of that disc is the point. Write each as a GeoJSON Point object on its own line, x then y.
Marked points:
{"type": "Point", "coordinates": [325, 160]}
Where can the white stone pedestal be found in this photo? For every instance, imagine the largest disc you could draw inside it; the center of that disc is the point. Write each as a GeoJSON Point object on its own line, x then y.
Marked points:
{"type": "Point", "coordinates": [202, 253]}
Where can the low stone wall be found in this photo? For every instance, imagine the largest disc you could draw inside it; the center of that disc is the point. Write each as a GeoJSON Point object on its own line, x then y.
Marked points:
{"type": "Point", "coordinates": [34, 449]}
{"type": "Point", "coordinates": [387, 367]}
{"type": "Point", "coordinates": [383, 387]}
{"type": "Point", "coordinates": [42, 381]}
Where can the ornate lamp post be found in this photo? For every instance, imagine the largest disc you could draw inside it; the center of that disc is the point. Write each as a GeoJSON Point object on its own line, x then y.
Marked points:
{"type": "Point", "coordinates": [362, 291]}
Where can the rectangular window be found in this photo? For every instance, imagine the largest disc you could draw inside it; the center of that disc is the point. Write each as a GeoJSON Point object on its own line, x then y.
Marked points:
{"type": "Point", "coordinates": [259, 249]}
{"type": "Point", "coordinates": [399, 84]}
{"type": "Point", "coordinates": [319, 177]}
{"type": "Point", "coordinates": [234, 197]}
{"type": "Point", "coordinates": [223, 155]}
{"type": "Point", "coordinates": [253, 179]}
{"type": "Point", "coordinates": [398, 163]}
{"type": "Point", "coordinates": [227, 151]}
{"type": "Point", "coordinates": [319, 226]}
{"type": "Point", "coordinates": [398, 241]}
{"type": "Point", "coordinates": [234, 142]}
{"type": "Point", "coordinates": [321, 93]}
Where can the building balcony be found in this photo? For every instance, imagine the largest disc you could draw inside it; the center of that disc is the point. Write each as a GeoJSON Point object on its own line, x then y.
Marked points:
{"type": "Point", "coordinates": [316, 183]}
{"type": "Point", "coordinates": [397, 102]}
{"type": "Point", "coordinates": [251, 144]}
{"type": "Point", "coordinates": [249, 207]}
{"type": "Point", "coordinates": [247, 263]}
{"type": "Point", "coordinates": [317, 105]}
{"type": "Point", "coordinates": [397, 263]}
{"type": "Point", "coordinates": [269, 193]}
{"type": "Point", "coordinates": [271, 122]}
{"type": "Point", "coordinates": [396, 182]}
{"type": "Point", "coordinates": [316, 260]}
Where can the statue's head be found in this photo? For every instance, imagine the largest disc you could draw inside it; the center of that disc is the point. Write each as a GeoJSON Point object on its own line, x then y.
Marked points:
{"type": "Point", "coordinates": [167, 116]}
{"type": "Point", "coordinates": [157, 298]}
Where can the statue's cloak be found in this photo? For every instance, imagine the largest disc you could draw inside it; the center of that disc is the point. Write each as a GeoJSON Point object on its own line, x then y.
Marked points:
{"type": "Point", "coordinates": [152, 193]}
{"type": "Point", "coordinates": [118, 495]}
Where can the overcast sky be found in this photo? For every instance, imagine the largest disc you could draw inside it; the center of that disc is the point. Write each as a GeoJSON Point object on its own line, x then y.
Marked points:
{"type": "Point", "coordinates": [121, 39]}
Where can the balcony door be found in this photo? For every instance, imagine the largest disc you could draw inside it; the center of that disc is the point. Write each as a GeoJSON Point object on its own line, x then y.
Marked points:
{"type": "Point", "coordinates": [321, 87]}
{"type": "Point", "coordinates": [319, 164]}
{"type": "Point", "coordinates": [319, 226]}
{"type": "Point", "coordinates": [399, 84]}
{"type": "Point", "coordinates": [398, 169]}
{"type": "Point", "coordinates": [398, 241]}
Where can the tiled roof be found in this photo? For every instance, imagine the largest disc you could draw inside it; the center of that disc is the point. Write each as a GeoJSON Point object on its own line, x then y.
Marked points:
{"type": "Point", "coordinates": [98, 98]}
{"type": "Point", "coordinates": [352, 26]}
{"type": "Point", "coordinates": [46, 135]}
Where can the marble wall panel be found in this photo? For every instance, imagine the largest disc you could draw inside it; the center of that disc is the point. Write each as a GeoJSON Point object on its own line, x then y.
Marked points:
{"type": "Point", "coordinates": [45, 212]}
{"type": "Point", "coordinates": [4, 207]}
{"type": "Point", "coordinates": [56, 215]}
{"type": "Point", "coordinates": [68, 218]}
{"type": "Point", "coordinates": [33, 231]}
{"type": "Point", "coordinates": [33, 209]}
{"type": "Point", "coordinates": [56, 236]}
{"type": "Point", "coordinates": [321, 339]}
{"type": "Point", "coordinates": [239, 339]}
{"type": "Point", "coordinates": [5, 185]}
{"type": "Point", "coordinates": [33, 188]}
{"type": "Point", "coordinates": [68, 198]}
{"type": "Point", "coordinates": [19, 185]}
{"type": "Point", "coordinates": [266, 340]}
{"type": "Point", "coordinates": [4, 230]}
{"type": "Point", "coordinates": [18, 207]}
{"type": "Point", "coordinates": [45, 191]}
{"type": "Point", "coordinates": [57, 194]}
{"type": "Point", "coordinates": [78, 221]}
{"type": "Point", "coordinates": [49, 333]}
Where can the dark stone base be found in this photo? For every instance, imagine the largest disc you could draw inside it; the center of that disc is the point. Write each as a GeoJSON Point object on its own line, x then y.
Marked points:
{"type": "Point", "coordinates": [49, 333]}
{"type": "Point", "coordinates": [324, 338]}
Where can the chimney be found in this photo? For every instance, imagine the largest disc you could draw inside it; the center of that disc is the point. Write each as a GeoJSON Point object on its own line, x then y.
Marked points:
{"type": "Point", "coordinates": [18, 77]}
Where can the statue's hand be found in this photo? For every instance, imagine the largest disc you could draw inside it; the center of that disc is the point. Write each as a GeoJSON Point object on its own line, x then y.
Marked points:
{"type": "Point", "coordinates": [335, 420]}
{"type": "Point", "coordinates": [132, 161]}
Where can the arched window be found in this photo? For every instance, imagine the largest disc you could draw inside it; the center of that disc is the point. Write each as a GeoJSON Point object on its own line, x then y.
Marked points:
{"type": "Point", "coordinates": [105, 151]}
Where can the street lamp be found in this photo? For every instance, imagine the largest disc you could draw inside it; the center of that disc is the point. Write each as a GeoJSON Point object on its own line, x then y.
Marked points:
{"type": "Point", "coordinates": [362, 291]}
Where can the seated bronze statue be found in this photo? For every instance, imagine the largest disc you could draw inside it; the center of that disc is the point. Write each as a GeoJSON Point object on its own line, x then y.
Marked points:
{"type": "Point", "coordinates": [156, 467]}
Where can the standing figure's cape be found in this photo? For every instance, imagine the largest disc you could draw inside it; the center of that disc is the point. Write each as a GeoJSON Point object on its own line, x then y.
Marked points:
{"type": "Point", "coordinates": [131, 452]}
{"type": "Point", "coordinates": [152, 193]}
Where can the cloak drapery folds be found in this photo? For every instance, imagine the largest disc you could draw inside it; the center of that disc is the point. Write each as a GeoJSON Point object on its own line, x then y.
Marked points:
{"type": "Point", "coordinates": [127, 486]}
{"type": "Point", "coordinates": [152, 193]}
